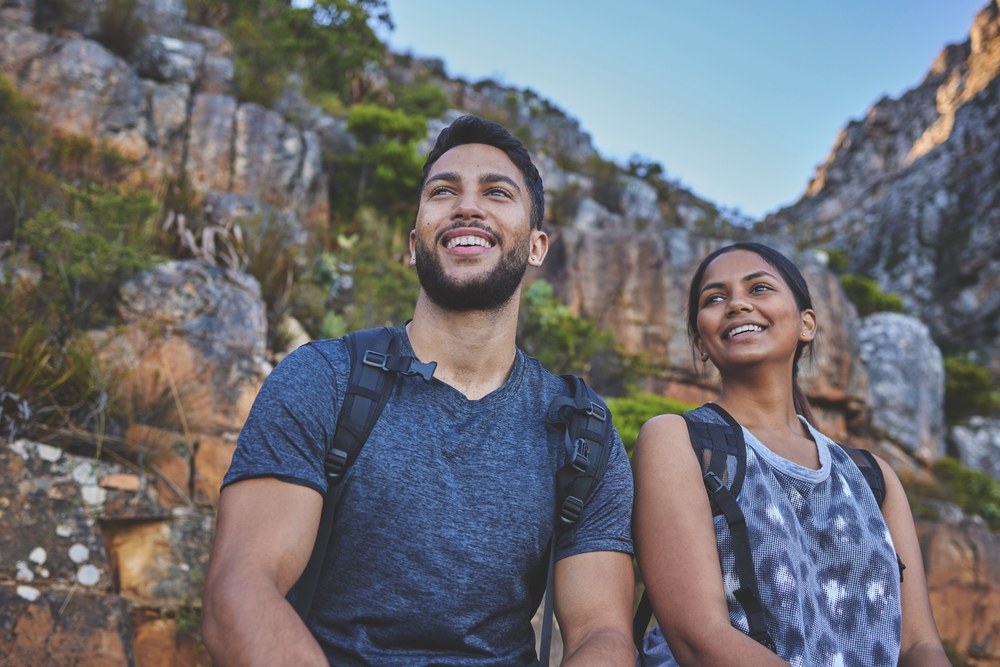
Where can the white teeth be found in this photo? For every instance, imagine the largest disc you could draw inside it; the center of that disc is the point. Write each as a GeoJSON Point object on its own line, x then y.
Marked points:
{"type": "Point", "coordinates": [743, 329]}
{"type": "Point", "coordinates": [469, 240]}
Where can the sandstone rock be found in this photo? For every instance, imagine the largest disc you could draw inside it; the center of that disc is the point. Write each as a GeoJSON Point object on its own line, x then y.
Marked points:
{"type": "Point", "coordinates": [213, 40]}
{"type": "Point", "coordinates": [212, 458]}
{"type": "Point", "coordinates": [168, 112]}
{"type": "Point", "coordinates": [162, 17]}
{"type": "Point", "coordinates": [906, 382]}
{"type": "Point", "coordinates": [168, 59]}
{"type": "Point", "coordinates": [909, 194]}
{"type": "Point", "coordinates": [216, 74]}
{"type": "Point", "coordinates": [640, 202]}
{"type": "Point", "coordinates": [976, 443]}
{"type": "Point", "coordinates": [64, 627]}
{"type": "Point", "coordinates": [52, 500]}
{"type": "Point", "coordinates": [209, 161]}
{"type": "Point", "coordinates": [267, 155]}
{"type": "Point", "coordinates": [161, 562]}
{"type": "Point", "coordinates": [962, 563]}
{"type": "Point", "coordinates": [161, 640]}
{"type": "Point", "coordinates": [84, 89]}
{"type": "Point", "coordinates": [334, 139]}
{"type": "Point", "coordinates": [217, 311]}
{"type": "Point", "coordinates": [19, 47]}
{"type": "Point", "coordinates": [591, 216]}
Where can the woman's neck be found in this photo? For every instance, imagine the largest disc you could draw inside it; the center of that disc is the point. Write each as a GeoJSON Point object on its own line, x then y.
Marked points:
{"type": "Point", "coordinates": [762, 400]}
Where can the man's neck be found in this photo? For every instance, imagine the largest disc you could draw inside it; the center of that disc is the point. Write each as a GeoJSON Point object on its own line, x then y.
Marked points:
{"type": "Point", "coordinates": [474, 350]}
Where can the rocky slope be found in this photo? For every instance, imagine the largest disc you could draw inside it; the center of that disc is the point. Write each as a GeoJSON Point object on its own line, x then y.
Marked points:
{"type": "Point", "coordinates": [911, 193]}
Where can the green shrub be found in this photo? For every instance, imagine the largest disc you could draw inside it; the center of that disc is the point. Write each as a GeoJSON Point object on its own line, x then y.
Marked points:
{"type": "Point", "coordinates": [837, 260]}
{"type": "Point", "coordinates": [973, 491]}
{"type": "Point", "coordinates": [427, 101]}
{"type": "Point", "coordinates": [968, 389]}
{"type": "Point", "coordinates": [631, 412]}
{"type": "Point", "coordinates": [865, 294]}
{"type": "Point", "coordinates": [86, 258]}
{"type": "Point", "coordinates": [564, 343]}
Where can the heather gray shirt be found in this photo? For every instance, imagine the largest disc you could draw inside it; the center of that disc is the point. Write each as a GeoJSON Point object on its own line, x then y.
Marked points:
{"type": "Point", "coordinates": [438, 549]}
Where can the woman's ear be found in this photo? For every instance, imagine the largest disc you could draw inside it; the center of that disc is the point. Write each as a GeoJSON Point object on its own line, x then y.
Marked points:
{"type": "Point", "coordinates": [702, 354]}
{"type": "Point", "coordinates": [810, 325]}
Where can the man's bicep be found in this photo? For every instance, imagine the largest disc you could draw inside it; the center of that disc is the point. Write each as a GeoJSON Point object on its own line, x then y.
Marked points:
{"type": "Point", "coordinates": [593, 595]}
{"type": "Point", "coordinates": [265, 527]}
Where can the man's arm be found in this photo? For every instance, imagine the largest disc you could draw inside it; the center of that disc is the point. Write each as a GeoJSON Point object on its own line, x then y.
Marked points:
{"type": "Point", "coordinates": [593, 602]}
{"type": "Point", "coordinates": [264, 535]}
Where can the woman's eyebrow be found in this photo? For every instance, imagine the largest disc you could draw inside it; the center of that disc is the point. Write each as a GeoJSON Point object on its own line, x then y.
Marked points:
{"type": "Point", "coordinates": [757, 274]}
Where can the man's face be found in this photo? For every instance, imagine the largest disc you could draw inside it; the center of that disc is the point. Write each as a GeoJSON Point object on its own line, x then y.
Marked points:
{"type": "Point", "coordinates": [472, 242]}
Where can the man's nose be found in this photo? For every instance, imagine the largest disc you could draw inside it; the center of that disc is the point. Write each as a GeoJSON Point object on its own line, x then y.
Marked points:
{"type": "Point", "coordinates": [467, 207]}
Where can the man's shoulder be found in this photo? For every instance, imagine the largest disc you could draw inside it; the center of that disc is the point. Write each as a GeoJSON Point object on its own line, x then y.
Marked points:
{"type": "Point", "coordinates": [549, 384]}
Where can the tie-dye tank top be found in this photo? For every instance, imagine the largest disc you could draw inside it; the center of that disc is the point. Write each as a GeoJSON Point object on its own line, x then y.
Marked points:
{"type": "Point", "coordinates": [825, 563]}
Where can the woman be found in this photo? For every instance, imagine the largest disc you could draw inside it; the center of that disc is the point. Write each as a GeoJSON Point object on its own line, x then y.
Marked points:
{"type": "Point", "coordinates": [825, 556]}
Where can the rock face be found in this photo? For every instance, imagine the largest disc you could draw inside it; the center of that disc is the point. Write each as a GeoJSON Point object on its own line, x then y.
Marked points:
{"type": "Point", "coordinates": [910, 192]}
{"type": "Point", "coordinates": [637, 285]}
{"type": "Point", "coordinates": [169, 110]}
{"type": "Point", "coordinates": [976, 443]}
{"type": "Point", "coordinates": [962, 562]}
{"type": "Point", "coordinates": [906, 383]}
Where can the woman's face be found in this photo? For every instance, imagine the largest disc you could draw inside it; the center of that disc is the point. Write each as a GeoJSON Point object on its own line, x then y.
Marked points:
{"type": "Point", "coordinates": [747, 313]}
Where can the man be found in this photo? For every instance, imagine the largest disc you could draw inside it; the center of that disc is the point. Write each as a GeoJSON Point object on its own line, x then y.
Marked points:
{"type": "Point", "coordinates": [438, 553]}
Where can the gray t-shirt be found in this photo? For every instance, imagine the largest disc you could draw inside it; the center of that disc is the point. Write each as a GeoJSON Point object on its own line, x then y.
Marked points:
{"type": "Point", "coordinates": [439, 545]}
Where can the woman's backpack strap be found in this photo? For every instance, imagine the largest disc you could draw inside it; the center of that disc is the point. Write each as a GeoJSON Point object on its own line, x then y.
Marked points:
{"type": "Point", "coordinates": [869, 467]}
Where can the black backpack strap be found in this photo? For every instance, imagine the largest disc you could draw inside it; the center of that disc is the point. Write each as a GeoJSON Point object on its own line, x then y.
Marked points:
{"type": "Point", "coordinates": [374, 367]}
{"type": "Point", "coordinates": [586, 424]}
{"type": "Point", "coordinates": [714, 445]}
{"type": "Point", "coordinates": [870, 470]}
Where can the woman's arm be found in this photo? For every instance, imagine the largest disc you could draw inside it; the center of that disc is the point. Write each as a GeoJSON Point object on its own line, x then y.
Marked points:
{"type": "Point", "coordinates": [675, 545]}
{"type": "Point", "coordinates": [921, 645]}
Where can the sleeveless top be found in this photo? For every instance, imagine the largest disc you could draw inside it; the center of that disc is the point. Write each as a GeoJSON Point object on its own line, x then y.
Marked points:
{"type": "Point", "coordinates": [825, 562]}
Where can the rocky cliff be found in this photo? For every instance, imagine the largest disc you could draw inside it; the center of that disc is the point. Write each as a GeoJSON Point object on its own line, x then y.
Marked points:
{"type": "Point", "coordinates": [911, 193]}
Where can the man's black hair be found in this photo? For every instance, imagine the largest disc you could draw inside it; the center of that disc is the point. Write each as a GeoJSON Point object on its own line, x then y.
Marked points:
{"type": "Point", "coordinates": [474, 130]}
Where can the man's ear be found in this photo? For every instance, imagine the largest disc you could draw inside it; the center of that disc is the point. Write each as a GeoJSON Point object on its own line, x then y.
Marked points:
{"type": "Point", "coordinates": [539, 247]}
{"type": "Point", "coordinates": [810, 325]}
{"type": "Point", "coordinates": [413, 247]}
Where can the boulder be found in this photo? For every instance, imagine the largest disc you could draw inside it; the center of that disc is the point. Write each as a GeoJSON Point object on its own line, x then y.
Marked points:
{"type": "Point", "coordinates": [84, 89]}
{"type": "Point", "coordinates": [268, 155]}
{"type": "Point", "coordinates": [976, 443]}
{"type": "Point", "coordinates": [962, 563]}
{"type": "Point", "coordinates": [906, 375]}
{"type": "Point", "coordinates": [218, 313]}
{"type": "Point", "coordinates": [209, 160]}
{"type": "Point", "coordinates": [20, 46]}
{"type": "Point", "coordinates": [168, 59]}
{"type": "Point", "coordinates": [63, 627]}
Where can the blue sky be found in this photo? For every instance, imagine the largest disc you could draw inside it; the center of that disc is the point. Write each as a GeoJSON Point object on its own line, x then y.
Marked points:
{"type": "Point", "coordinates": [739, 100]}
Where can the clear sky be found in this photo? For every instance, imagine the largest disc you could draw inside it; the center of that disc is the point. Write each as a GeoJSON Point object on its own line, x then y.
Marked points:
{"type": "Point", "coordinates": [740, 100]}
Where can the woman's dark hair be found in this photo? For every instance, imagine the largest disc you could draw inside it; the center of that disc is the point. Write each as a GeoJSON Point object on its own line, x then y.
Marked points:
{"type": "Point", "coordinates": [474, 130]}
{"type": "Point", "coordinates": [792, 277]}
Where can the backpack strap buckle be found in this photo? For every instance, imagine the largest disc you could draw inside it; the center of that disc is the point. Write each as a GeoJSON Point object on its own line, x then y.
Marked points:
{"type": "Point", "coordinates": [580, 456]}
{"type": "Point", "coordinates": [405, 365]}
{"type": "Point", "coordinates": [571, 510]}
{"type": "Point", "coordinates": [335, 463]}
{"type": "Point", "coordinates": [597, 412]}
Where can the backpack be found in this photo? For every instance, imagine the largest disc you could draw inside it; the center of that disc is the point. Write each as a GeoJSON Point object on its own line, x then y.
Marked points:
{"type": "Point", "coordinates": [715, 444]}
{"type": "Point", "coordinates": [581, 415]}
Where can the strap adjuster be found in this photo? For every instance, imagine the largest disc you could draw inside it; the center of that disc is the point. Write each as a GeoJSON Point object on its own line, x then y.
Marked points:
{"type": "Point", "coordinates": [376, 359]}
{"type": "Point", "coordinates": [713, 483]}
{"type": "Point", "coordinates": [581, 455]}
{"type": "Point", "coordinates": [403, 365]}
{"type": "Point", "coordinates": [335, 463]}
{"type": "Point", "coordinates": [597, 412]}
{"type": "Point", "coordinates": [570, 511]}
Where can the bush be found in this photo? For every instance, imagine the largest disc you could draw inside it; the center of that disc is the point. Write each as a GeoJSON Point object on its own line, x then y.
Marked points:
{"type": "Point", "coordinates": [631, 412]}
{"type": "Point", "coordinates": [865, 294]}
{"type": "Point", "coordinates": [85, 259]}
{"type": "Point", "coordinates": [968, 389]}
{"type": "Point", "coordinates": [973, 491]}
{"type": "Point", "coordinates": [837, 260]}
{"type": "Point", "coordinates": [564, 343]}
{"type": "Point", "coordinates": [427, 101]}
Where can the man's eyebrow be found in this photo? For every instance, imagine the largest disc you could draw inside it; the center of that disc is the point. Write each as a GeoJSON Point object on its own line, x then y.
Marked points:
{"type": "Point", "coordinates": [446, 176]}
{"type": "Point", "coordinates": [747, 278]}
{"type": "Point", "coordinates": [486, 179]}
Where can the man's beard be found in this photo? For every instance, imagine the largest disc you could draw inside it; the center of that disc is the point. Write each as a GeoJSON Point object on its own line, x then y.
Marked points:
{"type": "Point", "coordinates": [486, 293]}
